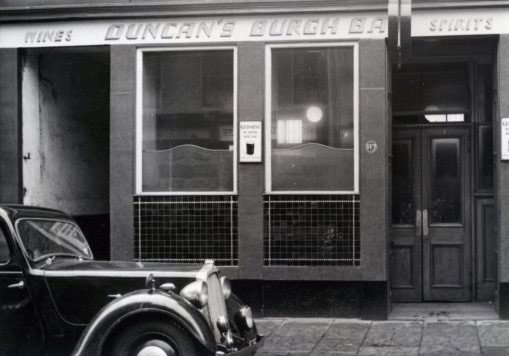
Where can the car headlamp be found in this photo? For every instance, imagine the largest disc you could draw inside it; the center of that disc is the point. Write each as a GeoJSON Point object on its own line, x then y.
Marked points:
{"type": "Point", "coordinates": [196, 293]}
{"type": "Point", "coordinates": [244, 318]}
{"type": "Point", "coordinates": [226, 286]}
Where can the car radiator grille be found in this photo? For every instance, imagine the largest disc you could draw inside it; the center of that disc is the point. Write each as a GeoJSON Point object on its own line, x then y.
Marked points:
{"type": "Point", "coordinates": [217, 306]}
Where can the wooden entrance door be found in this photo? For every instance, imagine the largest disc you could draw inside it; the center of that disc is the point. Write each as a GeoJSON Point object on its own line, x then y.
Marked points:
{"type": "Point", "coordinates": [431, 219]}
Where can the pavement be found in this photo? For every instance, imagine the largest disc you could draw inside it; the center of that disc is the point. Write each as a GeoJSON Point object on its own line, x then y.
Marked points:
{"type": "Point", "coordinates": [410, 332]}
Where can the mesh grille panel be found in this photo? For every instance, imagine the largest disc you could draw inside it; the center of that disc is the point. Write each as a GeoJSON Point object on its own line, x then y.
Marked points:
{"type": "Point", "coordinates": [311, 230]}
{"type": "Point", "coordinates": [186, 229]}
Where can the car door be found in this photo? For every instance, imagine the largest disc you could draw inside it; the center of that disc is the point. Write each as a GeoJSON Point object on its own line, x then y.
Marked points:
{"type": "Point", "coordinates": [19, 327]}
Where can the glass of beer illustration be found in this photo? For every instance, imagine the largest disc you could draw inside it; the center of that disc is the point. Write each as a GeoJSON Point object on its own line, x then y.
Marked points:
{"type": "Point", "coordinates": [250, 145]}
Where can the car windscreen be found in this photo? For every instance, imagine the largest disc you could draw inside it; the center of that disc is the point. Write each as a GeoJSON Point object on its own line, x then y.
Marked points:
{"type": "Point", "coordinates": [44, 238]}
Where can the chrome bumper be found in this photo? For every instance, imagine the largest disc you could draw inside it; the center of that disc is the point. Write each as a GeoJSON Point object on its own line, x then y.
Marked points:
{"type": "Point", "coordinates": [246, 351]}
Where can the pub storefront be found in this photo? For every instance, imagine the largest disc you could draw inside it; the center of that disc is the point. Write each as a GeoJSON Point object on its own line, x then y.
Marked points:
{"type": "Point", "coordinates": [326, 175]}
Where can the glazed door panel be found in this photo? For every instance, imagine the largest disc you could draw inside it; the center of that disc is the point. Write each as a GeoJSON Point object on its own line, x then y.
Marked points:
{"type": "Point", "coordinates": [406, 243]}
{"type": "Point", "coordinates": [446, 215]}
{"type": "Point", "coordinates": [430, 243]}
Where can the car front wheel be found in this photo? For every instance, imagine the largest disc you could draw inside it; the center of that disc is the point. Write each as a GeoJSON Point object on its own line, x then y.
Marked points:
{"type": "Point", "coordinates": [154, 338]}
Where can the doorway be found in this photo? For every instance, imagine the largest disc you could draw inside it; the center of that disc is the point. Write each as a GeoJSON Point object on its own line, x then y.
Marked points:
{"type": "Point", "coordinates": [442, 240]}
{"type": "Point", "coordinates": [430, 246]}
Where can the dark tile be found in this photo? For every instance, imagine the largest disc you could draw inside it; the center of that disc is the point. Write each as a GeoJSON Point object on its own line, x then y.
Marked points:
{"type": "Point", "coordinates": [503, 73]}
{"type": "Point", "coordinates": [123, 69]}
{"type": "Point", "coordinates": [503, 289]}
{"type": "Point", "coordinates": [374, 302]}
{"type": "Point", "coordinates": [372, 59]}
{"type": "Point", "coordinates": [10, 135]}
{"type": "Point", "coordinates": [311, 299]}
{"type": "Point", "coordinates": [373, 109]}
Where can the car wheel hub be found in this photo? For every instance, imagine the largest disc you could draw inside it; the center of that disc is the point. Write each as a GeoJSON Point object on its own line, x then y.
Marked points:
{"type": "Point", "coordinates": [156, 348]}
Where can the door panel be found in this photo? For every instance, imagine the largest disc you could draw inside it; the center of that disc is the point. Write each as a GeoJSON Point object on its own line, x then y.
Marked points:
{"type": "Point", "coordinates": [486, 249]}
{"type": "Point", "coordinates": [446, 197]}
{"type": "Point", "coordinates": [430, 239]}
{"type": "Point", "coordinates": [406, 251]}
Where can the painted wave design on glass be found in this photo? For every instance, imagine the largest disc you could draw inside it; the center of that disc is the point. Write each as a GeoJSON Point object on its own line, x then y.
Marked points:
{"type": "Point", "coordinates": [188, 168]}
{"type": "Point", "coordinates": [312, 167]}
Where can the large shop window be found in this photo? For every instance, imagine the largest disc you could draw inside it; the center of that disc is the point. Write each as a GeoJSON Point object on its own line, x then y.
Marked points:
{"type": "Point", "coordinates": [312, 111]}
{"type": "Point", "coordinates": [186, 204]}
{"type": "Point", "coordinates": [186, 126]}
{"type": "Point", "coordinates": [311, 211]}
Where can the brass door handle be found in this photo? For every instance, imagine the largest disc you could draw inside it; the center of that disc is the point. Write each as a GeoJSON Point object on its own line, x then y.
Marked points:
{"type": "Point", "coordinates": [425, 226]}
{"type": "Point", "coordinates": [418, 223]}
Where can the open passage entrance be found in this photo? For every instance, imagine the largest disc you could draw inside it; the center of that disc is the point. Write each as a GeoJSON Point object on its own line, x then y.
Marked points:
{"type": "Point", "coordinates": [65, 127]}
{"type": "Point", "coordinates": [442, 248]}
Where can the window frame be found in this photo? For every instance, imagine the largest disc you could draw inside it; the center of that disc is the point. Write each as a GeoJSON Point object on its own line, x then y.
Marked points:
{"type": "Point", "coordinates": [139, 119]}
{"type": "Point", "coordinates": [268, 114]}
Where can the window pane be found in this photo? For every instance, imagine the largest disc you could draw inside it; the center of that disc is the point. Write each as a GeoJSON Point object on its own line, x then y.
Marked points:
{"type": "Point", "coordinates": [403, 209]}
{"type": "Point", "coordinates": [46, 238]}
{"type": "Point", "coordinates": [446, 181]}
{"type": "Point", "coordinates": [484, 97]}
{"type": "Point", "coordinates": [188, 121]}
{"type": "Point", "coordinates": [4, 249]}
{"type": "Point", "coordinates": [312, 119]}
{"type": "Point", "coordinates": [485, 158]}
{"type": "Point", "coordinates": [437, 88]}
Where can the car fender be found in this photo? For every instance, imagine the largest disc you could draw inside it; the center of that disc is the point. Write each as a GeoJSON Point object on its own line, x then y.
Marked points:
{"type": "Point", "coordinates": [137, 304]}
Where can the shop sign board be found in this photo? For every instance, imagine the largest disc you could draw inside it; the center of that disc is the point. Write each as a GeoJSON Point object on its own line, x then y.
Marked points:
{"type": "Point", "coordinates": [250, 141]}
{"type": "Point", "coordinates": [194, 30]}
{"type": "Point", "coordinates": [504, 139]}
{"type": "Point", "coordinates": [264, 28]}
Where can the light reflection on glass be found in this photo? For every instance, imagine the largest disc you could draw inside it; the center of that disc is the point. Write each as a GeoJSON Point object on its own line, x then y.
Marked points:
{"type": "Point", "coordinates": [445, 117]}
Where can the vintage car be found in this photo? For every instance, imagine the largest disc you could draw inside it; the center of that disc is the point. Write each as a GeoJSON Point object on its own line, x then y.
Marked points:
{"type": "Point", "coordinates": [55, 299]}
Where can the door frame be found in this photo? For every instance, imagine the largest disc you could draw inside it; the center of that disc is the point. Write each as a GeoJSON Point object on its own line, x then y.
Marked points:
{"type": "Point", "coordinates": [420, 289]}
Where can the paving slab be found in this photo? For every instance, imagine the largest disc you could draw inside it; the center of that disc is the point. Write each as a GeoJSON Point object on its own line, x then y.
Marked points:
{"type": "Point", "coordinates": [450, 338]}
{"type": "Point", "coordinates": [296, 337]}
{"type": "Point", "coordinates": [493, 333]}
{"type": "Point", "coordinates": [388, 351]}
{"type": "Point", "coordinates": [349, 337]}
{"type": "Point", "coordinates": [267, 326]}
{"type": "Point", "coordinates": [344, 337]}
{"type": "Point", "coordinates": [394, 333]}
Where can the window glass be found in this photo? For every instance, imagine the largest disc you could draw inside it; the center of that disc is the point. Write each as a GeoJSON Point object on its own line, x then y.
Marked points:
{"type": "Point", "coordinates": [432, 89]}
{"type": "Point", "coordinates": [403, 207]}
{"type": "Point", "coordinates": [484, 97]}
{"type": "Point", "coordinates": [188, 135]}
{"type": "Point", "coordinates": [47, 238]}
{"type": "Point", "coordinates": [4, 249]}
{"type": "Point", "coordinates": [429, 119]}
{"type": "Point", "coordinates": [312, 119]}
{"type": "Point", "coordinates": [485, 158]}
{"type": "Point", "coordinates": [446, 181]}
